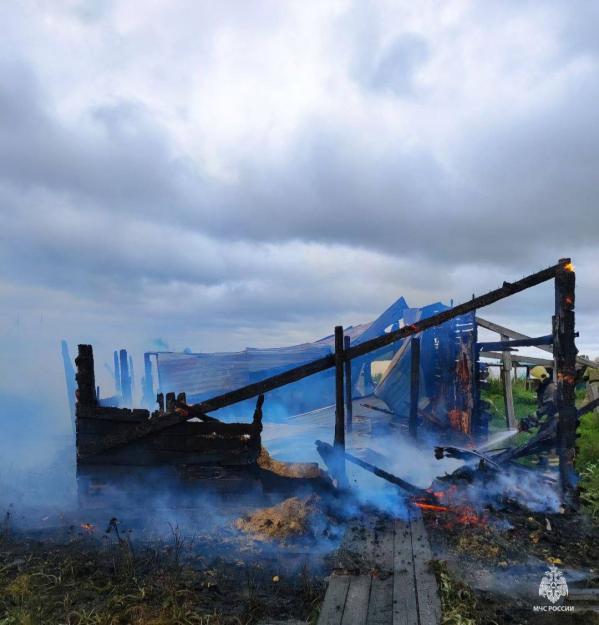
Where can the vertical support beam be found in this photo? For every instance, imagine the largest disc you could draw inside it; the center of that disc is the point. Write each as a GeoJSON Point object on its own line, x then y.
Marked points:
{"type": "Point", "coordinates": [564, 351]}
{"type": "Point", "coordinates": [339, 391]}
{"type": "Point", "coordinates": [414, 385]}
{"type": "Point", "coordinates": [125, 379]}
{"type": "Point", "coordinates": [348, 388]}
{"type": "Point", "coordinates": [339, 409]}
{"type": "Point", "coordinates": [117, 373]}
{"type": "Point", "coordinates": [86, 379]}
{"type": "Point", "coordinates": [508, 395]}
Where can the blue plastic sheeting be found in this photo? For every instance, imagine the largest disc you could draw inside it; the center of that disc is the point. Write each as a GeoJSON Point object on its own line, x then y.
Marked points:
{"type": "Point", "coordinates": [202, 376]}
{"type": "Point", "coordinates": [448, 370]}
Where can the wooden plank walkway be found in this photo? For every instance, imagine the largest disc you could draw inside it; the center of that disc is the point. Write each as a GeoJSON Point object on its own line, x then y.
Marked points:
{"type": "Point", "coordinates": [383, 576]}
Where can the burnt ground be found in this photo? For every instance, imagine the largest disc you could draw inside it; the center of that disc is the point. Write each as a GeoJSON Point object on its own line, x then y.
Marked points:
{"type": "Point", "coordinates": [490, 565]}
{"type": "Point", "coordinates": [81, 574]}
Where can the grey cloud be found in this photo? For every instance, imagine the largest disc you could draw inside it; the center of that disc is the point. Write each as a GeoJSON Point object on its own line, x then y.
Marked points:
{"type": "Point", "coordinates": [395, 70]}
{"type": "Point", "coordinates": [107, 210]}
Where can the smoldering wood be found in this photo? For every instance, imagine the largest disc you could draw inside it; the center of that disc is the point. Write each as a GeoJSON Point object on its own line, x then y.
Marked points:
{"type": "Point", "coordinates": [327, 452]}
{"type": "Point", "coordinates": [467, 454]}
{"type": "Point", "coordinates": [564, 353]}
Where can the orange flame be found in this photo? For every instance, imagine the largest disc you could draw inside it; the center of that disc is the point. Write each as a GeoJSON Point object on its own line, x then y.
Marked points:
{"type": "Point", "coordinates": [88, 527]}
{"type": "Point", "coordinates": [569, 267]}
{"type": "Point", "coordinates": [430, 506]}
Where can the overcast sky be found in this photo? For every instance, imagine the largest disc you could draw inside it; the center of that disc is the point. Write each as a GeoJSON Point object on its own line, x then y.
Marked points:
{"type": "Point", "coordinates": [215, 175]}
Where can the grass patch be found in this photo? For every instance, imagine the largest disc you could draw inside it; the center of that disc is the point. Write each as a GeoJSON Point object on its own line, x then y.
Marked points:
{"type": "Point", "coordinates": [458, 602]}
{"type": "Point", "coordinates": [114, 582]}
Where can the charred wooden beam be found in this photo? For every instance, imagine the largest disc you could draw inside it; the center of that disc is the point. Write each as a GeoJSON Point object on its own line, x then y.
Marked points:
{"type": "Point", "coordinates": [507, 344]}
{"type": "Point", "coordinates": [326, 451]}
{"type": "Point", "coordinates": [508, 288]}
{"type": "Point", "coordinates": [462, 453]}
{"type": "Point", "coordinates": [414, 385]}
{"type": "Point", "coordinates": [564, 353]}
{"type": "Point", "coordinates": [519, 359]}
{"type": "Point", "coordinates": [170, 402]}
{"type": "Point", "coordinates": [339, 464]}
{"type": "Point", "coordinates": [86, 378]}
{"type": "Point", "coordinates": [190, 412]}
{"type": "Point", "coordinates": [339, 390]}
{"type": "Point", "coordinates": [257, 418]}
{"type": "Point", "coordinates": [125, 377]}
{"type": "Point", "coordinates": [581, 361]}
{"type": "Point", "coordinates": [589, 407]}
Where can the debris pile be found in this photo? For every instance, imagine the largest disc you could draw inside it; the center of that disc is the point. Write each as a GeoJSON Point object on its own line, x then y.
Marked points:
{"type": "Point", "coordinates": [291, 519]}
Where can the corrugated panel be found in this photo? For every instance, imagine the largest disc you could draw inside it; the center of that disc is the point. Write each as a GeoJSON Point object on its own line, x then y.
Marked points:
{"type": "Point", "coordinates": [199, 374]}
{"type": "Point", "coordinates": [283, 357]}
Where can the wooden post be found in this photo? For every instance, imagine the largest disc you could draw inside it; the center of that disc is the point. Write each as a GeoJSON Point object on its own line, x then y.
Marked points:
{"type": "Point", "coordinates": [564, 350]}
{"type": "Point", "coordinates": [339, 409]}
{"type": "Point", "coordinates": [339, 392]}
{"type": "Point", "coordinates": [414, 385]}
{"type": "Point", "coordinates": [348, 388]}
{"type": "Point", "coordinates": [86, 379]}
{"type": "Point", "coordinates": [125, 379]}
{"type": "Point", "coordinates": [508, 395]}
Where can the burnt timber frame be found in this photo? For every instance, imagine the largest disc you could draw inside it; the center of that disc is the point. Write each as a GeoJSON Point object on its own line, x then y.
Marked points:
{"type": "Point", "coordinates": [563, 347]}
{"type": "Point", "coordinates": [564, 354]}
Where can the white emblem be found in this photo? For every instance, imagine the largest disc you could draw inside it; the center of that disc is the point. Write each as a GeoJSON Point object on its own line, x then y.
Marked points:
{"type": "Point", "coordinates": [553, 585]}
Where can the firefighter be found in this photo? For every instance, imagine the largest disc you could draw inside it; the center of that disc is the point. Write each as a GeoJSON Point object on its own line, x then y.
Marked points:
{"type": "Point", "coordinates": [546, 400]}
